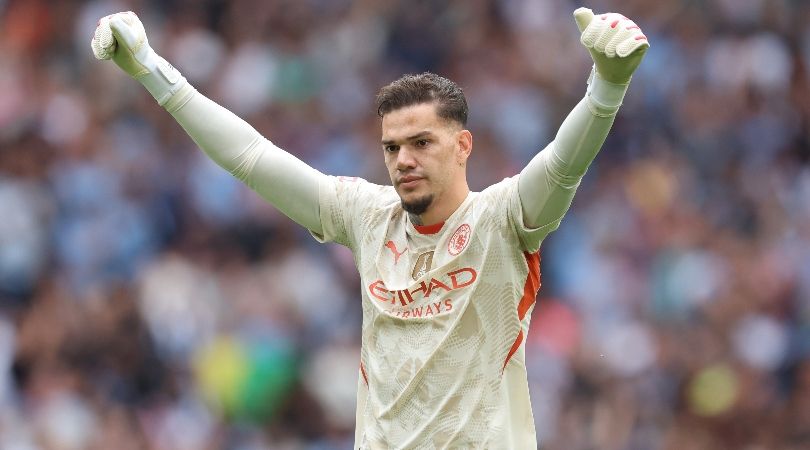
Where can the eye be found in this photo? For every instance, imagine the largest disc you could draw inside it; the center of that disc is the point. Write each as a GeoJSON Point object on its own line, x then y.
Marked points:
{"type": "Point", "coordinates": [391, 148]}
{"type": "Point", "coordinates": [422, 143]}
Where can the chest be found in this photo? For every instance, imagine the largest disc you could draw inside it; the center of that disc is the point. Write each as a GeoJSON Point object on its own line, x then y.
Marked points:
{"type": "Point", "coordinates": [414, 272]}
{"type": "Point", "coordinates": [405, 257]}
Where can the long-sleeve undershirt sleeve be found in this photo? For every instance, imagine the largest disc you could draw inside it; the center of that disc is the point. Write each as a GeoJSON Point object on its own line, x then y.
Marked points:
{"type": "Point", "coordinates": [286, 182]}
{"type": "Point", "coordinates": [548, 183]}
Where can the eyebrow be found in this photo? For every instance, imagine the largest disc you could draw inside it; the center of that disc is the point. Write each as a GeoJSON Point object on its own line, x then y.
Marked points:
{"type": "Point", "coordinates": [410, 138]}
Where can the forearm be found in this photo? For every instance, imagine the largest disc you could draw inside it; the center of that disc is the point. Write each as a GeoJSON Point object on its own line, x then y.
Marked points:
{"type": "Point", "coordinates": [282, 179]}
{"type": "Point", "coordinates": [548, 183]}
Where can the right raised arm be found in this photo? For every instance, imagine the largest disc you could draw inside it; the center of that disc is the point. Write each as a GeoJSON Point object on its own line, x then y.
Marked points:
{"type": "Point", "coordinates": [282, 179]}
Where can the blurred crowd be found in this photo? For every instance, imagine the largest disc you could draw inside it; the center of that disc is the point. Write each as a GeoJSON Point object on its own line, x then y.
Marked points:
{"type": "Point", "coordinates": [148, 300]}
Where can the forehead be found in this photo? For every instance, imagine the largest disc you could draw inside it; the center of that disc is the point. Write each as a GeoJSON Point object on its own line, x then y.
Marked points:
{"type": "Point", "coordinates": [412, 119]}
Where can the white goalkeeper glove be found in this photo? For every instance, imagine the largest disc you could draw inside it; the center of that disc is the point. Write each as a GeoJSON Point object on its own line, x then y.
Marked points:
{"type": "Point", "coordinates": [616, 44]}
{"type": "Point", "coordinates": [122, 38]}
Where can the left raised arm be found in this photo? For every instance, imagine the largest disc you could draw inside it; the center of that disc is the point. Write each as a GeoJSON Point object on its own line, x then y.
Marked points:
{"type": "Point", "coordinates": [548, 183]}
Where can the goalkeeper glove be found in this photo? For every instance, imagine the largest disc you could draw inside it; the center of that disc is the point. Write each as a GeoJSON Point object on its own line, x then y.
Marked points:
{"type": "Point", "coordinates": [122, 38]}
{"type": "Point", "coordinates": [616, 44]}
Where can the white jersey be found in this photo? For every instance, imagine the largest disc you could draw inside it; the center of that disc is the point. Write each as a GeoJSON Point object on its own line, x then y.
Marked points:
{"type": "Point", "coordinates": [445, 314]}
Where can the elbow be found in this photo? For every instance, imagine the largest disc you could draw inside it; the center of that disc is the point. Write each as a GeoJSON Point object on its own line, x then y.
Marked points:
{"type": "Point", "coordinates": [559, 177]}
{"type": "Point", "coordinates": [246, 160]}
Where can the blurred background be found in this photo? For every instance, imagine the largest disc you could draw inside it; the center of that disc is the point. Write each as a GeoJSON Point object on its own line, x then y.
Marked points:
{"type": "Point", "coordinates": [146, 297]}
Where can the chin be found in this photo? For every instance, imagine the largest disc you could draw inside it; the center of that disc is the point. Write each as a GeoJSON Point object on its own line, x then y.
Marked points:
{"type": "Point", "coordinates": [416, 204]}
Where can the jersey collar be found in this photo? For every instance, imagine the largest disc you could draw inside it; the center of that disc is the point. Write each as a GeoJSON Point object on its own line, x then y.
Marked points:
{"type": "Point", "coordinates": [429, 229]}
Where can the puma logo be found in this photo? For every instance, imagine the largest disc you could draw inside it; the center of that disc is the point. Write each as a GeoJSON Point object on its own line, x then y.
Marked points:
{"type": "Point", "coordinates": [393, 247]}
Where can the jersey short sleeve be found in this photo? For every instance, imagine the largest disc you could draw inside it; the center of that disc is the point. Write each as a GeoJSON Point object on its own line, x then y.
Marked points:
{"type": "Point", "coordinates": [529, 237]}
{"type": "Point", "coordinates": [506, 195]}
{"type": "Point", "coordinates": [346, 204]}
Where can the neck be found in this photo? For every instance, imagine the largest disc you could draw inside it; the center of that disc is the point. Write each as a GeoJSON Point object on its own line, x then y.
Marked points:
{"type": "Point", "coordinates": [440, 211]}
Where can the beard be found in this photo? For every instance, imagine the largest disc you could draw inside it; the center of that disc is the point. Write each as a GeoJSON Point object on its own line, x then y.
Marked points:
{"type": "Point", "coordinates": [418, 206]}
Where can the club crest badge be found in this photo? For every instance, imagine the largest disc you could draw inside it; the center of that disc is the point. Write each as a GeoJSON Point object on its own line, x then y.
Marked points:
{"type": "Point", "coordinates": [459, 240]}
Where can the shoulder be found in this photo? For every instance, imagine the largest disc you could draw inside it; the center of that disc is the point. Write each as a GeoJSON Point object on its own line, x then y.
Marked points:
{"type": "Point", "coordinates": [500, 192]}
{"type": "Point", "coordinates": [363, 193]}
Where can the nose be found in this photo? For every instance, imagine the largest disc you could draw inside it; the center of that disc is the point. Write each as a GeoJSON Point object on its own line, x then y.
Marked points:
{"type": "Point", "coordinates": [405, 159]}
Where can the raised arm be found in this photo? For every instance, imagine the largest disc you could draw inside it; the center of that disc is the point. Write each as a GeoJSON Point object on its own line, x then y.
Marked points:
{"type": "Point", "coordinates": [282, 179]}
{"type": "Point", "coordinates": [548, 183]}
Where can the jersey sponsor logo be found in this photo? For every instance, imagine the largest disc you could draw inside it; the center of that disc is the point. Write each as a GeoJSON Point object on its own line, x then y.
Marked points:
{"type": "Point", "coordinates": [449, 282]}
{"type": "Point", "coordinates": [431, 309]}
{"type": "Point", "coordinates": [459, 240]}
{"type": "Point", "coordinates": [423, 264]}
{"type": "Point", "coordinates": [343, 179]}
{"type": "Point", "coordinates": [393, 247]}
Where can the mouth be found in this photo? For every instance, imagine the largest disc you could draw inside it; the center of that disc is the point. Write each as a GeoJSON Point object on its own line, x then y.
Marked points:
{"type": "Point", "coordinates": [409, 181]}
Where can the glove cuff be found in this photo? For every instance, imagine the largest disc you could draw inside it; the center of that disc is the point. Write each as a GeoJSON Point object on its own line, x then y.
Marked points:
{"type": "Point", "coordinates": [161, 79]}
{"type": "Point", "coordinates": [604, 97]}
{"type": "Point", "coordinates": [180, 98]}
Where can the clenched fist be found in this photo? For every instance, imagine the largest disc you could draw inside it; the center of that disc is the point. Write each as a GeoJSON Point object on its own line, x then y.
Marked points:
{"type": "Point", "coordinates": [616, 43]}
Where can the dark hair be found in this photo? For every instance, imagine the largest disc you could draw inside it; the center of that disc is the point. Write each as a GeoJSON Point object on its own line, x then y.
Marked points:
{"type": "Point", "coordinates": [424, 88]}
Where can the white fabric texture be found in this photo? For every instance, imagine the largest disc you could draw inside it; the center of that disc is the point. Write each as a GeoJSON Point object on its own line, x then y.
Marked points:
{"type": "Point", "coordinates": [445, 317]}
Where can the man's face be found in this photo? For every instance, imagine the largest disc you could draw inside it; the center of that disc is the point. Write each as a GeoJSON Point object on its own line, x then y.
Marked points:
{"type": "Point", "coordinates": [424, 154]}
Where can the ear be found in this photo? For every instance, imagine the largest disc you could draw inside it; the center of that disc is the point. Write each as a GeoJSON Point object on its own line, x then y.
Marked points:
{"type": "Point", "coordinates": [465, 143]}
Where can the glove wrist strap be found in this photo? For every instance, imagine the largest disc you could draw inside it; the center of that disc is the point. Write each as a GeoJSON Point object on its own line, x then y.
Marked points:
{"type": "Point", "coordinates": [162, 80]}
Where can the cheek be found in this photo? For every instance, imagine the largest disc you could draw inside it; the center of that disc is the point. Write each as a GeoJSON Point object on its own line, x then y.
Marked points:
{"type": "Point", "coordinates": [443, 167]}
{"type": "Point", "coordinates": [450, 160]}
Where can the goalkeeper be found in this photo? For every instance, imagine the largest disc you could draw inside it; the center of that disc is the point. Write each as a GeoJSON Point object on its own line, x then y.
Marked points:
{"type": "Point", "coordinates": [449, 276]}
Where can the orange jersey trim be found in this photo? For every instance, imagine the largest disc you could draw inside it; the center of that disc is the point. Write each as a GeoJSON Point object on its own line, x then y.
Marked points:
{"type": "Point", "coordinates": [529, 297]}
{"type": "Point", "coordinates": [363, 372]}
